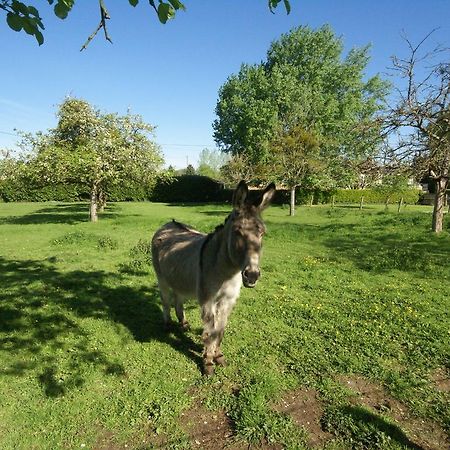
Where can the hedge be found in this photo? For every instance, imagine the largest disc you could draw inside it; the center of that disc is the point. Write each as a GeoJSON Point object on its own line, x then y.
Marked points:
{"type": "Point", "coordinates": [20, 190]}
{"type": "Point", "coordinates": [188, 189]}
{"type": "Point", "coordinates": [410, 196]}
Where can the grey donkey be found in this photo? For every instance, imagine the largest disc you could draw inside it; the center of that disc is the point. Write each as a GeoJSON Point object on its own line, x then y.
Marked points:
{"type": "Point", "coordinates": [211, 267]}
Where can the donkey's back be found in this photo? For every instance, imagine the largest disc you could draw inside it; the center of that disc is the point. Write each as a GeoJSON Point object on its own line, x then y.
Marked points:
{"type": "Point", "coordinates": [176, 254]}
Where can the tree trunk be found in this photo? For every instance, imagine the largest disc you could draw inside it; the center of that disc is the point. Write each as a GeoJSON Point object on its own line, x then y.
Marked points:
{"type": "Point", "coordinates": [400, 204]}
{"type": "Point", "coordinates": [333, 200]}
{"type": "Point", "coordinates": [292, 202]}
{"type": "Point", "coordinates": [94, 205]}
{"type": "Point", "coordinates": [101, 200]}
{"type": "Point", "coordinates": [361, 202]}
{"type": "Point", "coordinates": [439, 204]}
{"type": "Point", "coordinates": [386, 203]}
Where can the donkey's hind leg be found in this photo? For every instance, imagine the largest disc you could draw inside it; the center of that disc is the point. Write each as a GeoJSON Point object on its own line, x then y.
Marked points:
{"type": "Point", "coordinates": [179, 309]}
{"type": "Point", "coordinates": [166, 300]}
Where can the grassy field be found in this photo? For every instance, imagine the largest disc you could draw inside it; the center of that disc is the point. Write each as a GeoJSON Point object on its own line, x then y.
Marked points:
{"type": "Point", "coordinates": [343, 344]}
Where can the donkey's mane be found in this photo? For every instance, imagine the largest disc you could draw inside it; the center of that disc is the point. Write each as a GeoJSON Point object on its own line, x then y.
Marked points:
{"type": "Point", "coordinates": [182, 225]}
{"type": "Point", "coordinates": [209, 236]}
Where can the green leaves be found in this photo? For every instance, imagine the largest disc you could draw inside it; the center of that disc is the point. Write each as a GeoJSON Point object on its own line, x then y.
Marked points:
{"type": "Point", "coordinates": [274, 3]}
{"type": "Point", "coordinates": [166, 10]}
{"type": "Point", "coordinates": [63, 7]}
{"type": "Point", "coordinates": [22, 17]}
{"type": "Point", "coordinates": [14, 21]}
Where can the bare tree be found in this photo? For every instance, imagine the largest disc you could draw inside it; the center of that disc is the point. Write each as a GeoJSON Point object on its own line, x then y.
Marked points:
{"type": "Point", "coordinates": [419, 118]}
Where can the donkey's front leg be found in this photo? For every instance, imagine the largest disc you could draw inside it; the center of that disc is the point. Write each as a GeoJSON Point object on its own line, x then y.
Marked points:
{"type": "Point", "coordinates": [215, 317]}
{"type": "Point", "coordinates": [219, 359]}
{"type": "Point", "coordinates": [209, 337]}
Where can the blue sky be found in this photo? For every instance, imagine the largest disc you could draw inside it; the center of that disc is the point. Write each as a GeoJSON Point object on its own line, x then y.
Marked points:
{"type": "Point", "coordinates": [171, 74]}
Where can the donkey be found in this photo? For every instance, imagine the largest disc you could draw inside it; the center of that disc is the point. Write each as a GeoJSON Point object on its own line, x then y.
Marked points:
{"type": "Point", "coordinates": [211, 267]}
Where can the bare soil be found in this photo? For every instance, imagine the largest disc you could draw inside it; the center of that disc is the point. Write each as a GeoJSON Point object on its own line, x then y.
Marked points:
{"type": "Point", "coordinates": [441, 380]}
{"type": "Point", "coordinates": [213, 430]}
{"type": "Point", "coordinates": [424, 434]}
{"type": "Point", "coordinates": [305, 409]}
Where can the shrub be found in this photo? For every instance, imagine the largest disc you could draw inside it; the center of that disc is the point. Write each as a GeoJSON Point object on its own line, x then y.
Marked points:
{"type": "Point", "coordinates": [188, 189]}
{"type": "Point", "coordinates": [410, 196]}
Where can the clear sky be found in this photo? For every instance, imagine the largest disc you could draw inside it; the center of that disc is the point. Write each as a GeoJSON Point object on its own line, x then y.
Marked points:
{"type": "Point", "coordinates": [171, 74]}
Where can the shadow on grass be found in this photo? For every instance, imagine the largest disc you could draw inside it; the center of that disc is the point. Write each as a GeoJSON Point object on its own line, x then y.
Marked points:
{"type": "Point", "coordinates": [376, 243]}
{"type": "Point", "coordinates": [40, 333]}
{"type": "Point", "coordinates": [383, 252]}
{"type": "Point", "coordinates": [366, 419]}
{"type": "Point", "coordinates": [70, 213]}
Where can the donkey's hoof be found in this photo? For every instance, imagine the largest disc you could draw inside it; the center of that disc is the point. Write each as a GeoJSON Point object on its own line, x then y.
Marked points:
{"type": "Point", "coordinates": [208, 370]}
{"type": "Point", "coordinates": [221, 361]}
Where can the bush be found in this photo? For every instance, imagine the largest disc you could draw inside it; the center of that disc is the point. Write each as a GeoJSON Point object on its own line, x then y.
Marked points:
{"type": "Point", "coordinates": [188, 189]}
{"type": "Point", "coordinates": [303, 196]}
{"type": "Point", "coordinates": [22, 190]}
{"type": "Point", "coordinates": [410, 196]}
{"type": "Point", "coordinates": [128, 192]}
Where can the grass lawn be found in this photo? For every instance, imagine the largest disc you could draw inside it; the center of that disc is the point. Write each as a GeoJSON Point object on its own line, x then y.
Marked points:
{"type": "Point", "coordinates": [343, 344]}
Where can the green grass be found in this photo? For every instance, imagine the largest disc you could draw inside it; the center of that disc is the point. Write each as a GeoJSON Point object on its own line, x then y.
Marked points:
{"type": "Point", "coordinates": [84, 360]}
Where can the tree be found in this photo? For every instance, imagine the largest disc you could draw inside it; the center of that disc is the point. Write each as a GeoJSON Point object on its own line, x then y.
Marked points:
{"type": "Point", "coordinates": [304, 82]}
{"type": "Point", "coordinates": [238, 168]}
{"type": "Point", "coordinates": [210, 163]}
{"type": "Point", "coordinates": [392, 183]}
{"type": "Point", "coordinates": [96, 149]}
{"type": "Point", "coordinates": [295, 156]}
{"type": "Point", "coordinates": [190, 170]}
{"type": "Point", "coordinates": [22, 17]}
{"type": "Point", "coordinates": [419, 118]}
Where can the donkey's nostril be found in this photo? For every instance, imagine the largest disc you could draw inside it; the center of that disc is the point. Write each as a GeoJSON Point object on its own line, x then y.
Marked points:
{"type": "Point", "coordinates": [250, 277]}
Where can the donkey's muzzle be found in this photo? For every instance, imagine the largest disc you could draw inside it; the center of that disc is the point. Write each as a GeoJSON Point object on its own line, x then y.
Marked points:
{"type": "Point", "coordinates": [250, 277]}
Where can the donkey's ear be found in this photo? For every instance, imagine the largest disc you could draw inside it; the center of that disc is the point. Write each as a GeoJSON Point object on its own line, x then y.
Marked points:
{"type": "Point", "coordinates": [266, 197]}
{"type": "Point", "coordinates": [240, 195]}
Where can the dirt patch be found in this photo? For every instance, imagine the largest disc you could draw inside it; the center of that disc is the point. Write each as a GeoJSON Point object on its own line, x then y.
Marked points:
{"type": "Point", "coordinates": [207, 429]}
{"type": "Point", "coordinates": [213, 430]}
{"type": "Point", "coordinates": [305, 409]}
{"type": "Point", "coordinates": [423, 434]}
{"type": "Point", "coordinates": [441, 380]}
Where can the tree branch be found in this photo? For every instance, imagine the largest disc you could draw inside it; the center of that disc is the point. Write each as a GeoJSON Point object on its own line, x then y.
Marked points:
{"type": "Point", "coordinates": [104, 16]}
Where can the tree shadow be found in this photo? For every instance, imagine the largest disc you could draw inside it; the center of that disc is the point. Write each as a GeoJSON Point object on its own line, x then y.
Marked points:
{"type": "Point", "coordinates": [39, 307]}
{"type": "Point", "coordinates": [365, 418]}
{"type": "Point", "coordinates": [67, 213]}
{"type": "Point", "coordinates": [215, 213]}
{"type": "Point", "coordinates": [384, 252]}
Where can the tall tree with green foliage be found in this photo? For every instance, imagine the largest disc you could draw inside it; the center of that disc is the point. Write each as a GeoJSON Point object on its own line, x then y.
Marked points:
{"type": "Point", "coordinates": [95, 149]}
{"type": "Point", "coordinates": [305, 81]}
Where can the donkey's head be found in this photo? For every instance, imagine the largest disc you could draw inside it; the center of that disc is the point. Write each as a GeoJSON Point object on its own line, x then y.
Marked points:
{"type": "Point", "coordinates": [245, 231]}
